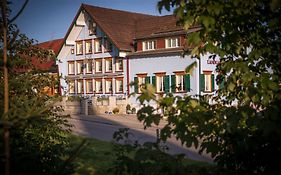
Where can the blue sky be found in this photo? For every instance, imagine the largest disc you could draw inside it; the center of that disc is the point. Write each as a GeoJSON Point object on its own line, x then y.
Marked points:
{"type": "Point", "coordinates": [45, 20]}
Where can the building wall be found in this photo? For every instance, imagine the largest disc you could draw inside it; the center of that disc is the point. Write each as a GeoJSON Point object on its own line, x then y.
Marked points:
{"type": "Point", "coordinates": [166, 63]}
{"type": "Point", "coordinates": [83, 36]}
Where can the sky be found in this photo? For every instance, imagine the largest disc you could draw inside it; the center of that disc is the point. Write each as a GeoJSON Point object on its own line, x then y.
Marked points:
{"type": "Point", "coordinates": [46, 20]}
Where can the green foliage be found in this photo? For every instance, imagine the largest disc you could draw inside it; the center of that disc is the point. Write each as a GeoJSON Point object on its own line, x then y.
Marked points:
{"type": "Point", "coordinates": [150, 158]}
{"type": "Point", "coordinates": [38, 132]}
{"type": "Point", "coordinates": [241, 127]}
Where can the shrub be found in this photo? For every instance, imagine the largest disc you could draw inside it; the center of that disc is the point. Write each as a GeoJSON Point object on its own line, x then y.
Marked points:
{"type": "Point", "coordinates": [115, 111]}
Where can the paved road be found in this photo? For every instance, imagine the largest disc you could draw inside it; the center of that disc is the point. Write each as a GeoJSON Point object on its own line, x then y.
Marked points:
{"type": "Point", "coordinates": [102, 127]}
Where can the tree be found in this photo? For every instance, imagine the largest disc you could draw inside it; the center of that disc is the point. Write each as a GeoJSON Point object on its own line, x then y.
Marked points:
{"type": "Point", "coordinates": [241, 127]}
{"type": "Point", "coordinates": [38, 133]}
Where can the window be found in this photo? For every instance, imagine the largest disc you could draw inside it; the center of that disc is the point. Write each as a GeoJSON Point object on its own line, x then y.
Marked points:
{"type": "Point", "coordinates": [149, 45]}
{"type": "Point", "coordinates": [79, 67]}
{"type": "Point", "coordinates": [89, 66]}
{"type": "Point", "coordinates": [108, 65]}
{"type": "Point", "coordinates": [72, 51]}
{"type": "Point", "coordinates": [98, 86]}
{"type": "Point", "coordinates": [89, 86]}
{"type": "Point", "coordinates": [119, 64]}
{"type": "Point", "coordinates": [88, 45]}
{"type": "Point", "coordinates": [172, 42]}
{"type": "Point", "coordinates": [80, 86]}
{"type": "Point", "coordinates": [71, 87]}
{"type": "Point", "coordinates": [207, 81]}
{"type": "Point", "coordinates": [161, 82]}
{"type": "Point", "coordinates": [180, 82]}
{"type": "Point", "coordinates": [98, 66]}
{"type": "Point", "coordinates": [71, 68]}
{"type": "Point", "coordinates": [92, 27]}
{"type": "Point", "coordinates": [119, 85]}
{"type": "Point", "coordinates": [107, 45]}
{"type": "Point", "coordinates": [140, 81]}
{"type": "Point", "coordinates": [108, 86]}
{"type": "Point", "coordinates": [79, 48]}
{"type": "Point", "coordinates": [98, 45]}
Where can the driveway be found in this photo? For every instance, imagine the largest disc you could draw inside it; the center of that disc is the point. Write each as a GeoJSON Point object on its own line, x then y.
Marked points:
{"type": "Point", "coordinates": [102, 127]}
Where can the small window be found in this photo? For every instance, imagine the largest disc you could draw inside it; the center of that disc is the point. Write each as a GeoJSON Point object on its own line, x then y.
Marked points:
{"type": "Point", "coordinates": [80, 86]}
{"type": "Point", "coordinates": [92, 27]}
{"type": "Point", "coordinates": [89, 86]}
{"type": "Point", "coordinates": [98, 45]}
{"type": "Point", "coordinates": [119, 64]}
{"type": "Point", "coordinates": [88, 46]}
{"type": "Point", "coordinates": [172, 42]}
{"type": "Point", "coordinates": [72, 51]}
{"type": "Point", "coordinates": [71, 87]}
{"type": "Point", "coordinates": [79, 67]}
{"type": "Point", "coordinates": [119, 85]}
{"type": "Point", "coordinates": [107, 45]}
{"type": "Point", "coordinates": [159, 83]}
{"type": "Point", "coordinates": [207, 81]}
{"type": "Point", "coordinates": [180, 84]}
{"type": "Point", "coordinates": [108, 65]}
{"type": "Point", "coordinates": [149, 45]}
{"type": "Point", "coordinates": [98, 66]}
{"type": "Point", "coordinates": [108, 86]}
{"type": "Point", "coordinates": [98, 86]}
{"type": "Point", "coordinates": [79, 48]}
{"type": "Point", "coordinates": [89, 66]}
{"type": "Point", "coordinates": [71, 68]}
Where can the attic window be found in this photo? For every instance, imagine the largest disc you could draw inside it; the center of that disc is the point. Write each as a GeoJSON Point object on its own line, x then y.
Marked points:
{"type": "Point", "coordinates": [92, 27]}
{"type": "Point", "coordinates": [149, 45]}
{"type": "Point", "coordinates": [172, 42]}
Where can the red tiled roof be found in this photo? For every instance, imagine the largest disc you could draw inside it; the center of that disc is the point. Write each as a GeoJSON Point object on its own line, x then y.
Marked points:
{"type": "Point", "coordinates": [120, 26]}
{"type": "Point", "coordinates": [51, 64]}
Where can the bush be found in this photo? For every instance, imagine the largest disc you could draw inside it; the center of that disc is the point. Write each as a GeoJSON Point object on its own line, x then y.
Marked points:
{"type": "Point", "coordinates": [115, 111]}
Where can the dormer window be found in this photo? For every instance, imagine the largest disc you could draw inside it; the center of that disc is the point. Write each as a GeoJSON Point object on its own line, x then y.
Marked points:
{"type": "Point", "coordinates": [148, 45]}
{"type": "Point", "coordinates": [107, 45]}
{"type": "Point", "coordinates": [172, 42]}
{"type": "Point", "coordinates": [92, 27]}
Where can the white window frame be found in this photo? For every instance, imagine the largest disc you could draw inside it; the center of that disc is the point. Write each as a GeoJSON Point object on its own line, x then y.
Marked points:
{"type": "Point", "coordinates": [108, 86]}
{"type": "Point", "coordinates": [172, 42]}
{"type": "Point", "coordinates": [98, 66]}
{"type": "Point", "coordinates": [98, 45]}
{"type": "Point", "coordinates": [98, 86]}
{"type": "Point", "coordinates": [119, 85]}
{"type": "Point", "coordinates": [88, 47]}
{"type": "Point", "coordinates": [89, 66]}
{"type": "Point", "coordinates": [107, 45]}
{"type": "Point", "coordinates": [149, 45]}
{"type": "Point", "coordinates": [208, 82]}
{"type": "Point", "coordinates": [141, 83]}
{"type": "Point", "coordinates": [160, 83]}
{"type": "Point", "coordinates": [79, 67]}
{"type": "Point", "coordinates": [71, 87]}
{"type": "Point", "coordinates": [108, 65]}
{"type": "Point", "coordinates": [89, 86]}
{"type": "Point", "coordinates": [92, 27]}
{"type": "Point", "coordinates": [79, 48]}
{"type": "Point", "coordinates": [119, 64]}
{"type": "Point", "coordinates": [80, 88]}
{"type": "Point", "coordinates": [180, 83]}
{"type": "Point", "coordinates": [71, 68]}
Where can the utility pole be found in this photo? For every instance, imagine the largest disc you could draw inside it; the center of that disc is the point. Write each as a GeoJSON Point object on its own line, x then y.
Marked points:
{"type": "Point", "coordinates": [6, 136]}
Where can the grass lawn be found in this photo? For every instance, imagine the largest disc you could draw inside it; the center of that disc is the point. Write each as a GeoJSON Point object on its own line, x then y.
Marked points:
{"type": "Point", "coordinates": [97, 156]}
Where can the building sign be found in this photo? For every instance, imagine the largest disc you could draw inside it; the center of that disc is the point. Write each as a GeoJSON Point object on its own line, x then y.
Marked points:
{"type": "Point", "coordinates": [213, 61]}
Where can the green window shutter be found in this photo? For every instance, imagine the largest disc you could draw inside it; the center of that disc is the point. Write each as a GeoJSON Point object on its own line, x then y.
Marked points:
{"type": "Point", "coordinates": [147, 80]}
{"type": "Point", "coordinates": [187, 82]}
{"type": "Point", "coordinates": [153, 81]}
{"type": "Point", "coordinates": [167, 84]}
{"type": "Point", "coordinates": [213, 82]}
{"type": "Point", "coordinates": [173, 83]}
{"type": "Point", "coordinates": [136, 85]}
{"type": "Point", "coordinates": [202, 82]}
{"type": "Point", "coordinates": [221, 85]}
